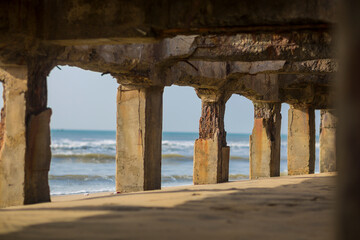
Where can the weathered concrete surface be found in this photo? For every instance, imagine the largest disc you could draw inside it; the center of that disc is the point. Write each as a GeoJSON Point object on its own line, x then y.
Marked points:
{"type": "Point", "coordinates": [198, 73]}
{"type": "Point", "coordinates": [317, 66]}
{"type": "Point", "coordinates": [316, 90]}
{"type": "Point", "coordinates": [265, 141]}
{"type": "Point", "coordinates": [211, 162]}
{"type": "Point", "coordinates": [301, 140]}
{"type": "Point", "coordinates": [139, 133]}
{"type": "Point", "coordinates": [258, 46]}
{"type": "Point", "coordinates": [286, 53]}
{"type": "Point", "coordinates": [258, 87]}
{"type": "Point", "coordinates": [12, 152]}
{"type": "Point", "coordinates": [25, 150]}
{"type": "Point", "coordinates": [76, 21]}
{"type": "Point", "coordinates": [211, 155]}
{"type": "Point", "coordinates": [38, 158]}
{"type": "Point", "coordinates": [38, 153]}
{"type": "Point", "coordinates": [328, 129]}
{"type": "Point", "coordinates": [298, 51]}
{"type": "Point", "coordinates": [271, 81]}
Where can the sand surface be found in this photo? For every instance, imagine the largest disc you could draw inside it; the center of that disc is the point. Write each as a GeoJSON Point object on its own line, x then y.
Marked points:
{"type": "Point", "coordinates": [300, 207]}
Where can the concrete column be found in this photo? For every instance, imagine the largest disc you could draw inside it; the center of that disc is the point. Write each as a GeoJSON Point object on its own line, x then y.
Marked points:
{"type": "Point", "coordinates": [211, 155]}
{"type": "Point", "coordinates": [25, 144]}
{"type": "Point", "coordinates": [301, 140]}
{"type": "Point", "coordinates": [139, 133]}
{"type": "Point", "coordinates": [328, 141]}
{"type": "Point", "coordinates": [265, 140]}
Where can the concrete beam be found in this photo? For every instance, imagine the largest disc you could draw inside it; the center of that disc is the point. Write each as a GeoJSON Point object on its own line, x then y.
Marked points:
{"type": "Point", "coordinates": [216, 73]}
{"type": "Point", "coordinates": [180, 54]}
{"type": "Point", "coordinates": [301, 139]}
{"type": "Point", "coordinates": [316, 90]}
{"type": "Point", "coordinates": [211, 154]}
{"type": "Point", "coordinates": [265, 141]}
{"type": "Point", "coordinates": [25, 146]}
{"type": "Point", "coordinates": [316, 66]}
{"type": "Point", "coordinates": [259, 87]}
{"type": "Point", "coordinates": [198, 74]}
{"type": "Point", "coordinates": [290, 46]}
{"type": "Point", "coordinates": [328, 141]}
{"type": "Point", "coordinates": [77, 21]}
{"type": "Point", "coordinates": [138, 137]}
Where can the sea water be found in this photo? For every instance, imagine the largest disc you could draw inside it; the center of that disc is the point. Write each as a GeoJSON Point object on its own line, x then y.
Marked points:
{"type": "Point", "coordinates": [84, 161]}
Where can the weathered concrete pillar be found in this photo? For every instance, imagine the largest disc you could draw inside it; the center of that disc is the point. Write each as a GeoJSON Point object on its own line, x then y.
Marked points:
{"type": "Point", "coordinates": [301, 140]}
{"type": "Point", "coordinates": [328, 141]}
{"type": "Point", "coordinates": [211, 155]}
{"type": "Point", "coordinates": [139, 134]}
{"type": "Point", "coordinates": [265, 140]}
{"type": "Point", "coordinates": [25, 145]}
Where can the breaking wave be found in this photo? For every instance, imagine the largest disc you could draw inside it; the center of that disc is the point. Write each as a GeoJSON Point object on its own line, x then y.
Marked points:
{"type": "Point", "coordinates": [85, 156]}
{"type": "Point", "coordinates": [106, 158]}
{"type": "Point", "coordinates": [73, 144]}
{"type": "Point", "coordinates": [81, 177]}
{"type": "Point", "coordinates": [164, 178]}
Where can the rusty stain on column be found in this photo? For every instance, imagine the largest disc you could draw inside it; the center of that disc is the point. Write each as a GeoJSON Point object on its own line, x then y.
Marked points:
{"type": "Point", "coordinates": [301, 139]}
{"type": "Point", "coordinates": [38, 152]}
{"type": "Point", "coordinates": [138, 136]}
{"type": "Point", "coordinates": [265, 140]}
{"type": "Point", "coordinates": [211, 154]}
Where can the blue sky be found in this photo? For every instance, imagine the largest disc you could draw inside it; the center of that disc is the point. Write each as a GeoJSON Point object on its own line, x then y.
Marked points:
{"type": "Point", "coordinates": [86, 100]}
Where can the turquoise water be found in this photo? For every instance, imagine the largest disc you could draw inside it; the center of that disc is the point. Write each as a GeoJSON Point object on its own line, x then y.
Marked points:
{"type": "Point", "coordinates": [84, 161]}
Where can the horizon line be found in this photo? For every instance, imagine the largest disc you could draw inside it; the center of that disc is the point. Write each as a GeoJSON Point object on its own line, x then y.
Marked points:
{"type": "Point", "coordinates": [114, 130]}
{"type": "Point", "coordinates": [107, 130]}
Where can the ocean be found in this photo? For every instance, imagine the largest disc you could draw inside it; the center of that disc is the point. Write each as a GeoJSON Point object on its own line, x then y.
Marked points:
{"type": "Point", "coordinates": [84, 161]}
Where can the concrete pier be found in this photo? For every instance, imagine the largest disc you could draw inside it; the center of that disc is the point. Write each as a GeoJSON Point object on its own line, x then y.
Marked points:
{"type": "Point", "coordinates": [212, 48]}
{"type": "Point", "coordinates": [328, 141]}
{"type": "Point", "coordinates": [301, 139]}
{"type": "Point", "coordinates": [25, 144]}
{"type": "Point", "coordinates": [211, 155]}
{"type": "Point", "coordinates": [265, 140]}
{"type": "Point", "coordinates": [139, 134]}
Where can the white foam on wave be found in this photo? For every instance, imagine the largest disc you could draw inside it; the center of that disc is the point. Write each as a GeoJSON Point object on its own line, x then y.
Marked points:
{"type": "Point", "coordinates": [73, 192]}
{"type": "Point", "coordinates": [66, 146]}
{"type": "Point", "coordinates": [67, 143]}
{"type": "Point", "coordinates": [178, 144]}
{"type": "Point", "coordinates": [177, 147]}
{"type": "Point", "coordinates": [238, 144]}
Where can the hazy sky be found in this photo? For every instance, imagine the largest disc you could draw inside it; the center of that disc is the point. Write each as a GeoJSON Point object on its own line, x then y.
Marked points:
{"type": "Point", "coordinates": [86, 100]}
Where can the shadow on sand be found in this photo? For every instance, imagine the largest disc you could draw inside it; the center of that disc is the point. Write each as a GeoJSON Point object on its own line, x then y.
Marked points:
{"type": "Point", "coordinates": [296, 211]}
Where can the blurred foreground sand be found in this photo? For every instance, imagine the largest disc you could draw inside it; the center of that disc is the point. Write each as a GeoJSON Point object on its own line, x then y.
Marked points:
{"type": "Point", "coordinates": [290, 207]}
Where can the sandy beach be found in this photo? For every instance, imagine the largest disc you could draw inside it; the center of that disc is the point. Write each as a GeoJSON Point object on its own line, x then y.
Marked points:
{"type": "Point", "coordinates": [289, 207]}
